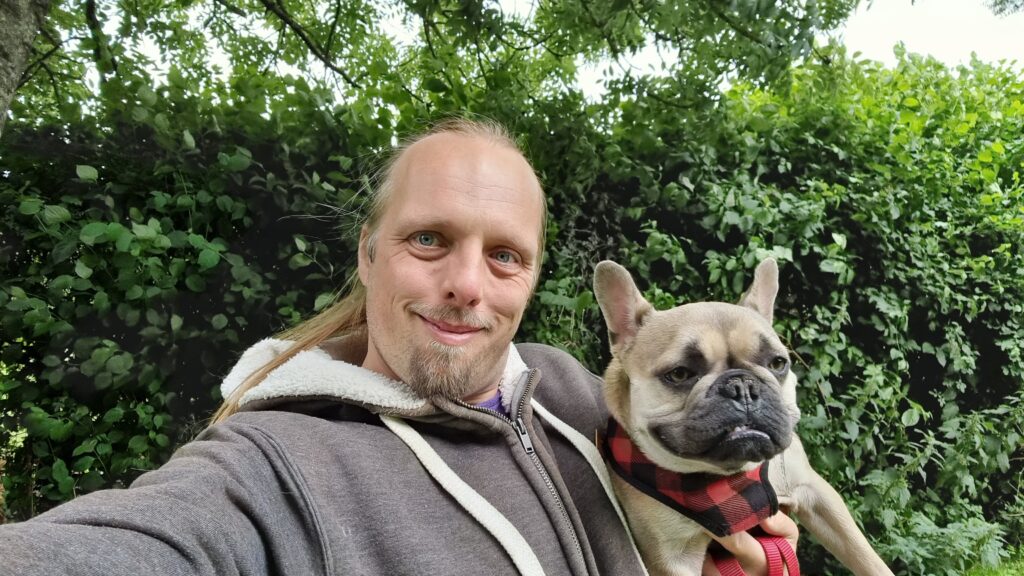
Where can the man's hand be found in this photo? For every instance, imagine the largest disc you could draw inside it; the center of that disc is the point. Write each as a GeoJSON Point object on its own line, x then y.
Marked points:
{"type": "Point", "coordinates": [747, 550]}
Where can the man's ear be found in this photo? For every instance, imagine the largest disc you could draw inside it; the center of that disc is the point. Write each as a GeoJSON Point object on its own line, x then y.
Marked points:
{"type": "Point", "coordinates": [762, 292]}
{"type": "Point", "coordinates": [622, 304]}
{"type": "Point", "coordinates": [364, 255]}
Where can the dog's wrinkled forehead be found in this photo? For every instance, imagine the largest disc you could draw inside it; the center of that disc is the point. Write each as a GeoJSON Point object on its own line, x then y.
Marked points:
{"type": "Point", "coordinates": [710, 333]}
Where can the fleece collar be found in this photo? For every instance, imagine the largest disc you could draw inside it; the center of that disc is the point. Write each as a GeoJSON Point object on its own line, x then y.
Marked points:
{"type": "Point", "coordinates": [330, 372]}
{"type": "Point", "coordinates": [722, 505]}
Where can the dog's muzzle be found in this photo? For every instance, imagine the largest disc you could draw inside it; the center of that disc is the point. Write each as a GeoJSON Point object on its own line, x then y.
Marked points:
{"type": "Point", "coordinates": [740, 386]}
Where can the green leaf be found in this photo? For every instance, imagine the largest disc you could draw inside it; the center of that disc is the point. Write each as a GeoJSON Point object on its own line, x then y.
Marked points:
{"type": "Point", "coordinates": [30, 206]}
{"type": "Point", "coordinates": [435, 85]}
{"type": "Point", "coordinates": [219, 321]}
{"type": "Point", "coordinates": [61, 430]}
{"type": "Point", "coordinates": [208, 259]}
{"type": "Point", "coordinates": [237, 162]}
{"type": "Point", "coordinates": [176, 322]}
{"type": "Point", "coordinates": [138, 444]}
{"type": "Point", "coordinates": [146, 96]}
{"type": "Point", "coordinates": [55, 215]}
{"type": "Point", "coordinates": [61, 283]}
{"type": "Point", "coordinates": [187, 140]}
{"type": "Point", "coordinates": [143, 231]}
{"type": "Point", "coordinates": [323, 300]}
{"type": "Point", "coordinates": [82, 270]}
{"type": "Point", "coordinates": [84, 463]}
{"type": "Point", "coordinates": [120, 363]}
{"type": "Point", "coordinates": [124, 241]}
{"type": "Point", "coordinates": [299, 260]}
{"type": "Point", "coordinates": [910, 417]}
{"type": "Point", "coordinates": [195, 283]}
{"type": "Point", "coordinates": [59, 470]}
{"type": "Point", "coordinates": [113, 415]}
{"type": "Point", "coordinates": [225, 203]}
{"type": "Point", "coordinates": [85, 447]}
{"type": "Point", "coordinates": [64, 249]}
{"type": "Point", "coordinates": [86, 173]}
{"type": "Point", "coordinates": [92, 233]}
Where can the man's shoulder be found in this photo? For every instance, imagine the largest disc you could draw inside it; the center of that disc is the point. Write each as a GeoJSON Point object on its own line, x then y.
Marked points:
{"type": "Point", "coordinates": [566, 387]}
{"type": "Point", "coordinates": [301, 416]}
{"type": "Point", "coordinates": [536, 354]}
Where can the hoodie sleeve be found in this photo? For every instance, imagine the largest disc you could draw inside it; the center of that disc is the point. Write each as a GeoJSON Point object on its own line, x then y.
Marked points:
{"type": "Point", "coordinates": [227, 503]}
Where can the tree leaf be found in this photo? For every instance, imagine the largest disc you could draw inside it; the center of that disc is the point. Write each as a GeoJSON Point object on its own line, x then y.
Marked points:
{"type": "Point", "coordinates": [208, 259]}
{"type": "Point", "coordinates": [86, 173]}
{"type": "Point", "coordinates": [219, 321]}
{"type": "Point", "coordinates": [82, 270]}
{"type": "Point", "coordinates": [30, 206]}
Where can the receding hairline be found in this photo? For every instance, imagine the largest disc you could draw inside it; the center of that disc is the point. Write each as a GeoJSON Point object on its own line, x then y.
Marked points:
{"type": "Point", "coordinates": [407, 153]}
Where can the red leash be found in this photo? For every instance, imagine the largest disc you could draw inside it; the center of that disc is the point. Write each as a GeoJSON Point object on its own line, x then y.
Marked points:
{"type": "Point", "coordinates": [776, 549]}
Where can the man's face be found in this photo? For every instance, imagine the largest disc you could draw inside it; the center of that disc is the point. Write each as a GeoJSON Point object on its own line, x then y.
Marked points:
{"type": "Point", "coordinates": [454, 259]}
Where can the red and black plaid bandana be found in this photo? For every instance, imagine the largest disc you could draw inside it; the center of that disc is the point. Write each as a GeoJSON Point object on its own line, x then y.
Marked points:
{"type": "Point", "coordinates": [723, 505]}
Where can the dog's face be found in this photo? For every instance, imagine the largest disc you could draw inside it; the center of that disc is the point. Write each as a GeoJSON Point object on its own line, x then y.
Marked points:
{"type": "Point", "coordinates": [704, 387]}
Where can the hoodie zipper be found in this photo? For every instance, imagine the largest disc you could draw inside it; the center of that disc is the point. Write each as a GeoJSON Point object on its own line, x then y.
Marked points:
{"type": "Point", "coordinates": [519, 425]}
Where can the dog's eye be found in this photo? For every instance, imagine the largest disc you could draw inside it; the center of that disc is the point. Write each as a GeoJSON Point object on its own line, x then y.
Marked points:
{"type": "Point", "coordinates": [677, 375]}
{"type": "Point", "coordinates": [778, 364]}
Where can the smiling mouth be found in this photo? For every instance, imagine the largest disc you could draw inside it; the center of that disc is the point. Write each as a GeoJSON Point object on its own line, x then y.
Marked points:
{"type": "Point", "coordinates": [452, 334]}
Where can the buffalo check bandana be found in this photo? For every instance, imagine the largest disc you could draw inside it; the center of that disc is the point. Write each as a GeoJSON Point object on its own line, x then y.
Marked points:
{"type": "Point", "coordinates": [723, 505]}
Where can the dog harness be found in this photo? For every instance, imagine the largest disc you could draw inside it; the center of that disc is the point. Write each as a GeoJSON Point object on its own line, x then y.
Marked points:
{"type": "Point", "coordinates": [722, 505]}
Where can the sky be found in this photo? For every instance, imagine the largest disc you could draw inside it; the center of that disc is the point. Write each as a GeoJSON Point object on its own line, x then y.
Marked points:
{"type": "Point", "coordinates": [949, 30]}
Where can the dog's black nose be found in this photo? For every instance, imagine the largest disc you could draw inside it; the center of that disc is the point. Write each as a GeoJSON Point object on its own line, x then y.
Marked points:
{"type": "Point", "coordinates": [739, 386]}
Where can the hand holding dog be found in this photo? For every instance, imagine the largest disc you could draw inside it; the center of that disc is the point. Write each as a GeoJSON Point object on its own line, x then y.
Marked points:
{"type": "Point", "coordinates": [747, 550]}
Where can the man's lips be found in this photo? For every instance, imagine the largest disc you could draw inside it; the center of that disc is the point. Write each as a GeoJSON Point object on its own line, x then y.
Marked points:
{"type": "Point", "coordinates": [450, 333]}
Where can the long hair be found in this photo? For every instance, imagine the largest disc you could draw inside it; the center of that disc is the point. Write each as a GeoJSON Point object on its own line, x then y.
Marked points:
{"type": "Point", "coordinates": [348, 314]}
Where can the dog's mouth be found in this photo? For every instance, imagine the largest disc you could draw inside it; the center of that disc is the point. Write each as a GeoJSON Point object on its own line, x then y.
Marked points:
{"type": "Point", "coordinates": [728, 447]}
{"type": "Point", "coordinates": [745, 433]}
{"type": "Point", "coordinates": [742, 444]}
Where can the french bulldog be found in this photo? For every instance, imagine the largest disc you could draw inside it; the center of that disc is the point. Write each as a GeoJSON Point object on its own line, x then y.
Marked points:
{"type": "Point", "coordinates": [703, 399]}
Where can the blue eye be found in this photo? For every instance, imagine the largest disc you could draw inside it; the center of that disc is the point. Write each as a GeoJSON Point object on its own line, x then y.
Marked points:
{"type": "Point", "coordinates": [505, 257]}
{"type": "Point", "coordinates": [426, 239]}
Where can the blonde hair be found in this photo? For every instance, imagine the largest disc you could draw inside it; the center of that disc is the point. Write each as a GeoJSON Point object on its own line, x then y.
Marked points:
{"type": "Point", "coordinates": [348, 314]}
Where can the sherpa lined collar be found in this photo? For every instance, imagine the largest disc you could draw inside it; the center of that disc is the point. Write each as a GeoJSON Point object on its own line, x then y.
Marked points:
{"type": "Point", "coordinates": [330, 372]}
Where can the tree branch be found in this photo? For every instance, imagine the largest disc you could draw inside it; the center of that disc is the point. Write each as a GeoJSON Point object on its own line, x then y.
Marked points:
{"type": "Point", "coordinates": [231, 8]}
{"type": "Point", "coordinates": [282, 14]}
{"type": "Point", "coordinates": [736, 26]}
{"type": "Point", "coordinates": [101, 51]}
{"type": "Point", "coordinates": [31, 69]}
{"type": "Point", "coordinates": [334, 26]}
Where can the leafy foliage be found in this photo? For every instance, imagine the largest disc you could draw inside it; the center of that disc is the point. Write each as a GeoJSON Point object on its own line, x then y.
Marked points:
{"type": "Point", "coordinates": [164, 223]}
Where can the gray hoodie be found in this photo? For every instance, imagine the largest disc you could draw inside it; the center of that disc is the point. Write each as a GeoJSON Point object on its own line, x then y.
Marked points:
{"type": "Point", "coordinates": [333, 469]}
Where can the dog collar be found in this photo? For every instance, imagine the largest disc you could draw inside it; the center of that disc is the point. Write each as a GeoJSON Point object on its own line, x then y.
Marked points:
{"type": "Point", "coordinates": [722, 505]}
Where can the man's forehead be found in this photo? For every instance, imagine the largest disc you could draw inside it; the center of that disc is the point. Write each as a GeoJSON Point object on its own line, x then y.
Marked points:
{"type": "Point", "coordinates": [480, 170]}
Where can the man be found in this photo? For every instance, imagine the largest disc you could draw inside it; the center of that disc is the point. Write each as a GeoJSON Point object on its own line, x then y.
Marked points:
{"type": "Point", "coordinates": [399, 431]}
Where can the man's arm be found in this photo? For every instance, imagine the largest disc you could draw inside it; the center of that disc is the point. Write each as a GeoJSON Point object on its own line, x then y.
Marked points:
{"type": "Point", "coordinates": [220, 506]}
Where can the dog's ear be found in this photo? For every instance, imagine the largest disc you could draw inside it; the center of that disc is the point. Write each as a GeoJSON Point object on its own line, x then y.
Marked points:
{"type": "Point", "coordinates": [761, 294]}
{"type": "Point", "coordinates": [622, 304]}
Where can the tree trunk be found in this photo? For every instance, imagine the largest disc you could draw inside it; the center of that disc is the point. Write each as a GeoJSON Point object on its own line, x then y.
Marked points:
{"type": "Point", "coordinates": [20, 21]}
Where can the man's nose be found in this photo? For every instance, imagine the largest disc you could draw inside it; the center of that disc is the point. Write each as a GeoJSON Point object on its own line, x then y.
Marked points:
{"type": "Point", "coordinates": [464, 279]}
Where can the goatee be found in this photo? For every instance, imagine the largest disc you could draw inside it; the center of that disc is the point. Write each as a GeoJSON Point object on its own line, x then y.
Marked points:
{"type": "Point", "coordinates": [442, 370]}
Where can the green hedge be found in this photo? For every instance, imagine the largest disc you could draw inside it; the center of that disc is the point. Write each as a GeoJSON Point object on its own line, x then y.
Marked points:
{"type": "Point", "coordinates": [142, 259]}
